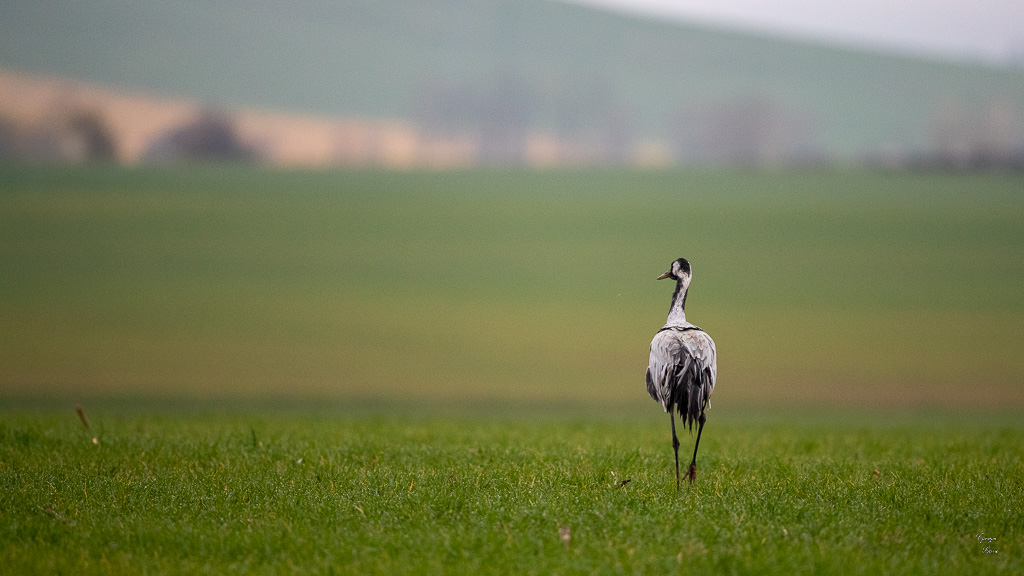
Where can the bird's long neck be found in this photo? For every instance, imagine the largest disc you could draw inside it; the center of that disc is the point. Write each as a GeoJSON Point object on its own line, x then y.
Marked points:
{"type": "Point", "coordinates": [677, 313]}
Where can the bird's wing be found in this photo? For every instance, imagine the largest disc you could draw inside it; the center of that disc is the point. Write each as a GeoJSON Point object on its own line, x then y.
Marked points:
{"type": "Point", "coordinates": [667, 358]}
{"type": "Point", "coordinates": [702, 348]}
{"type": "Point", "coordinates": [682, 371]}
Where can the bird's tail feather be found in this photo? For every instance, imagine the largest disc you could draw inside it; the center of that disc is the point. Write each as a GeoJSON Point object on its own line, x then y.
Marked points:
{"type": "Point", "coordinates": [693, 398]}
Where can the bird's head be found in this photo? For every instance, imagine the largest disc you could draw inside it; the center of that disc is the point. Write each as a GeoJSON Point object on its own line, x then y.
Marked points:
{"type": "Point", "coordinates": [679, 271]}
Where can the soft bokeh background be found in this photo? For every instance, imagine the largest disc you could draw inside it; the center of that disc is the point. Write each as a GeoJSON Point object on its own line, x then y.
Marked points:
{"type": "Point", "coordinates": [459, 83]}
{"type": "Point", "coordinates": [428, 204]}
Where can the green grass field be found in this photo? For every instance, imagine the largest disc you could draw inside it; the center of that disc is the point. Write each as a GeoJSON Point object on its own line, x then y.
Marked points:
{"type": "Point", "coordinates": [368, 372]}
{"type": "Point", "coordinates": [301, 494]}
{"type": "Point", "coordinates": [321, 495]}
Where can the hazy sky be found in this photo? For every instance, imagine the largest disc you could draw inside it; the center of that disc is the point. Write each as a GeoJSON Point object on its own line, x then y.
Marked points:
{"type": "Point", "coordinates": [974, 29]}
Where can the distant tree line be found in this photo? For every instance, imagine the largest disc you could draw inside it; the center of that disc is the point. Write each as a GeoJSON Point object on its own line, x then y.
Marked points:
{"type": "Point", "coordinates": [756, 130]}
{"type": "Point", "coordinates": [589, 126]}
{"type": "Point", "coordinates": [502, 115]}
{"type": "Point", "coordinates": [747, 132]}
{"type": "Point", "coordinates": [210, 137]}
{"type": "Point", "coordinates": [990, 137]}
{"type": "Point", "coordinates": [84, 136]}
{"type": "Point", "coordinates": [81, 136]}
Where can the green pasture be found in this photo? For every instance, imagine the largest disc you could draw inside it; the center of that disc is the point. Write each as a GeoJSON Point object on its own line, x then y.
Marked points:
{"type": "Point", "coordinates": [820, 287]}
{"type": "Point", "coordinates": [277, 493]}
{"type": "Point", "coordinates": [425, 373]}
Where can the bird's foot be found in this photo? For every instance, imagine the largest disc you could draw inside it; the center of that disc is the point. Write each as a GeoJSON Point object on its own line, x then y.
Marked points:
{"type": "Point", "coordinates": [691, 474]}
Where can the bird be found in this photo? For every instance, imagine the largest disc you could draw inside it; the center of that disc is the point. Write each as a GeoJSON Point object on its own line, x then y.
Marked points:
{"type": "Point", "coordinates": [683, 367]}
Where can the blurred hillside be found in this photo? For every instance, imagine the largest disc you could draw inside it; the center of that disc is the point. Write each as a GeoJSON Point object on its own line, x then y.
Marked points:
{"type": "Point", "coordinates": [528, 81]}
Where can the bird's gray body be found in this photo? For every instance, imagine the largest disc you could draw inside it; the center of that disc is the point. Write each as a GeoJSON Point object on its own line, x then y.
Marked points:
{"type": "Point", "coordinates": [682, 370]}
{"type": "Point", "coordinates": [683, 367]}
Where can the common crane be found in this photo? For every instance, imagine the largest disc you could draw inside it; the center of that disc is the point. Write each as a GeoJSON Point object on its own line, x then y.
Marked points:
{"type": "Point", "coordinates": [683, 367]}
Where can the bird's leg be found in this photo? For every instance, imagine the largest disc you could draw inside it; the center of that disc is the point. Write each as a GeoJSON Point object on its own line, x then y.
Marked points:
{"type": "Point", "coordinates": [691, 474]}
{"type": "Point", "coordinates": [675, 445]}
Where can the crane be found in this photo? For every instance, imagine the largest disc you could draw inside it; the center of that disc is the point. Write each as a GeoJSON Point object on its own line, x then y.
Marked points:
{"type": "Point", "coordinates": [683, 366]}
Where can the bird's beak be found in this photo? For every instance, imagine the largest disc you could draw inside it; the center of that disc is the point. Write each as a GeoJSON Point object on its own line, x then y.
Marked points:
{"type": "Point", "coordinates": [665, 275]}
